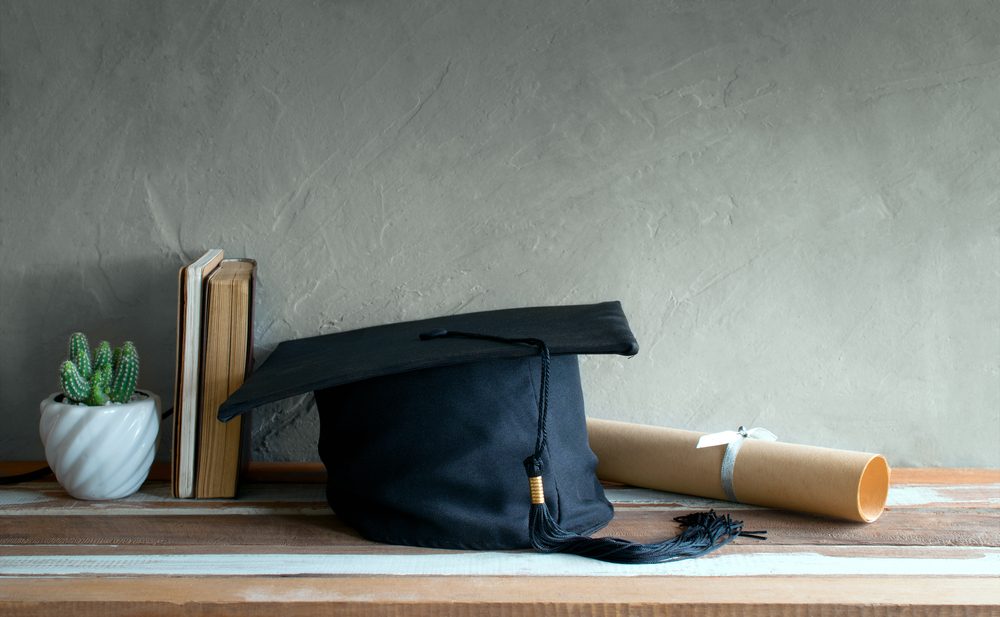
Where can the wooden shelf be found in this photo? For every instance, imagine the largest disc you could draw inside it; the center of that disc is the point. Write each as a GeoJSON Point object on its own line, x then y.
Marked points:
{"type": "Point", "coordinates": [278, 550]}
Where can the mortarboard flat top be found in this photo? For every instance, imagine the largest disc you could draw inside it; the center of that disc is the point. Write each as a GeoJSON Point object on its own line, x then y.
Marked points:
{"type": "Point", "coordinates": [321, 362]}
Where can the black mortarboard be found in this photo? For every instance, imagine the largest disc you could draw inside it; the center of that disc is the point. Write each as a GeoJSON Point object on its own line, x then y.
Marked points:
{"type": "Point", "coordinates": [425, 427]}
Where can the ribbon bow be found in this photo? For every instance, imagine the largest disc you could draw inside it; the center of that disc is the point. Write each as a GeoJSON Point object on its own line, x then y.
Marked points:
{"type": "Point", "coordinates": [728, 437]}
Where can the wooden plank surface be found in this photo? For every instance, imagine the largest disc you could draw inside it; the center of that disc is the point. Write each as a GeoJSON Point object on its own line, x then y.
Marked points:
{"type": "Point", "coordinates": [279, 550]}
{"type": "Point", "coordinates": [975, 528]}
{"type": "Point", "coordinates": [290, 597]}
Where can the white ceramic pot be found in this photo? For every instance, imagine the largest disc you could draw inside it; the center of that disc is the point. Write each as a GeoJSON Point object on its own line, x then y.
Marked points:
{"type": "Point", "coordinates": [100, 452]}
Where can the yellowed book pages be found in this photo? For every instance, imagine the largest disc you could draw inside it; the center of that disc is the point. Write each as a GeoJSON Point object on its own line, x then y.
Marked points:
{"type": "Point", "coordinates": [226, 350]}
{"type": "Point", "coordinates": [836, 483]}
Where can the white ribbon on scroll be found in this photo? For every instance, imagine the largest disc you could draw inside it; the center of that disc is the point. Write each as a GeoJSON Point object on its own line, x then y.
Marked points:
{"type": "Point", "coordinates": [733, 440]}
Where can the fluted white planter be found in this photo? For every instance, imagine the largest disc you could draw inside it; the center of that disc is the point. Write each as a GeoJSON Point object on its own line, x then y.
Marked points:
{"type": "Point", "coordinates": [100, 452]}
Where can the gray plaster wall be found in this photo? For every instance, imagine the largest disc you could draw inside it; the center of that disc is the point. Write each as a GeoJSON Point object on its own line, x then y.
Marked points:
{"type": "Point", "coordinates": [796, 202]}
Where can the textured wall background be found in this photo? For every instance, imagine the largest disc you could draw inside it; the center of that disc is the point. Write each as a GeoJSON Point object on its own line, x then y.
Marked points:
{"type": "Point", "coordinates": [797, 202]}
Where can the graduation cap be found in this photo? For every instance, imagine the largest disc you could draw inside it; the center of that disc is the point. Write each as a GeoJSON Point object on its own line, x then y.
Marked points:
{"type": "Point", "coordinates": [428, 427]}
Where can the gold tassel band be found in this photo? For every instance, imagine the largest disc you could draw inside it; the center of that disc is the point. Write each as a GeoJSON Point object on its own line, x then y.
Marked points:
{"type": "Point", "coordinates": [537, 490]}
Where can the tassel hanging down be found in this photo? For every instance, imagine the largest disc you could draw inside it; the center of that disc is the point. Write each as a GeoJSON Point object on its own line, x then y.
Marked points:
{"type": "Point", "coordinates": [703, 532]}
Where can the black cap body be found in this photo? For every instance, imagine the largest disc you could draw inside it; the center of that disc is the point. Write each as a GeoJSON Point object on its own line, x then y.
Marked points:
{"type": "Point", "coordinates": [424, 440]}
{"type": "Point", "coordinates": [410, 462]}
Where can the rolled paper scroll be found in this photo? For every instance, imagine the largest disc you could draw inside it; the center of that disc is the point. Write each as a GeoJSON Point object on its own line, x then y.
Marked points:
{"type": "Point", "coordinates": [836, 483]}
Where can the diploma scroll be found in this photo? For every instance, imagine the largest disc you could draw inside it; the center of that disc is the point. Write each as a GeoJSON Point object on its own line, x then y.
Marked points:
{"type": "Point", "coordinates": [836, 483]}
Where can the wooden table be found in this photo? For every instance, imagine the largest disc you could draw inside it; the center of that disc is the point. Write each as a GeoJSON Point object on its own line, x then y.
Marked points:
{"type": "Point", "coordinates": [279, 551]}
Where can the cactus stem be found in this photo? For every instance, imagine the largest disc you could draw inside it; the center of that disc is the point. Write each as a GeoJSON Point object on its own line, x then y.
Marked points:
{"type": "Point", "coordinates": [110, 375]}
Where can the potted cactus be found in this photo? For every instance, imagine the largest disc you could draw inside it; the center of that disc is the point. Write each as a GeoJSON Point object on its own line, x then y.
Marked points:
{"type": "Point", "coordinates": [100, 432]}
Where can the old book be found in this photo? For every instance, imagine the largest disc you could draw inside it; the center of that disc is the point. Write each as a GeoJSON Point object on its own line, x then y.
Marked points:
{"type": "Point", "coordinates": [191, 280]}
{"type": "Point", "coordinates": [226, 357]}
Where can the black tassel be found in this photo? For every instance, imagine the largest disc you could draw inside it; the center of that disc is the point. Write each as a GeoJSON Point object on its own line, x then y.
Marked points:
{"type": "Point", "coordinates": [703, 532]}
